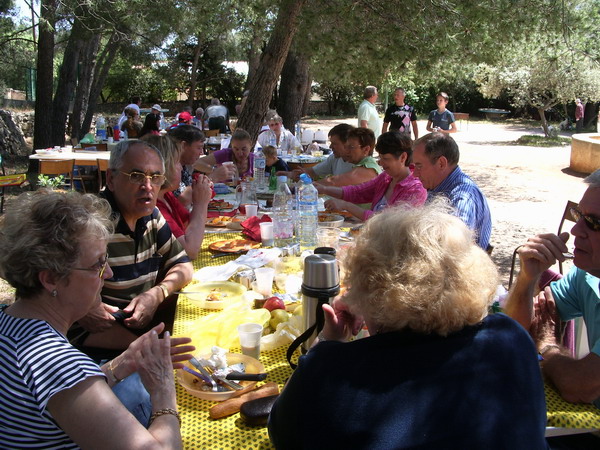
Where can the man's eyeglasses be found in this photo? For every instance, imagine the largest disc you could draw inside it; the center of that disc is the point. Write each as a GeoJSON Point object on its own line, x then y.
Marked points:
{"type": "Point", "coordinates": [99, 267]}
{"type": "Point", "coordinates": [593, 223]}
{"type": "Point", "coordinates": [140, 178]}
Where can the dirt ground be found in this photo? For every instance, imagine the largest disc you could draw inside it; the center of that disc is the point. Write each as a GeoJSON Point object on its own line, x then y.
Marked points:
{"type": "Point", "coordinates": [526, 187]}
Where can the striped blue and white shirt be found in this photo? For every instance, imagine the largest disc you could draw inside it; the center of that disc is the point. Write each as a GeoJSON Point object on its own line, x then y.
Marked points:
{"type": "Point", "coordinates": [36, 362]}
{"type": "Point", "coordinates": [469, 202]}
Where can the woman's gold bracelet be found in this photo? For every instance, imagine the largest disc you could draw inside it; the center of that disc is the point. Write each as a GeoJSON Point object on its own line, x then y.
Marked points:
{"type": "Point", "coordinates": [111, 371]}
{"type": "Point", "coordinates": [163, 412]}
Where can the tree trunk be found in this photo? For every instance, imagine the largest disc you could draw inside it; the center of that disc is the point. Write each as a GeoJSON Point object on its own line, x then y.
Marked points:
{"type": "Point", "coordinates": [253, 59]}
{"type": "Point", "coordinates": [542, 113]}
{"type": "Point", "coordinates": [67, 80]}
{"type": "Point", "coordinates": [45, 79]}
{"type": "Point", "coordinates": [100, 74]}
{"type": "Point", "coordinates": [271, 63]}
{"type": "Point", "coordinates": [292, 89]}
{"type": "Point", "coordinates": [82, 95]}
{"type": "Point", "coordinates": [194, 74]}
{"type": "Point", "coordinates": [307, 94]}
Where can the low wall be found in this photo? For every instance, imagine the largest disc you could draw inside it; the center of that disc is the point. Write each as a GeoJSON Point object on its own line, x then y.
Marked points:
{"type": "Point", "coordinates": [585, 152]}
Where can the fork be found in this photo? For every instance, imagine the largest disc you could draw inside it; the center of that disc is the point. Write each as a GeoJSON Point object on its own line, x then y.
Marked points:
{"type": "Point", "coordinates": [231, 384]}
{"type": "Point", "coordinates": [204, 372]}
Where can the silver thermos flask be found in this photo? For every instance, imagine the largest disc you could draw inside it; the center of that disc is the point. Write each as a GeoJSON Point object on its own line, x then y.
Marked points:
{"type": "Point", "coordinates": [321, 283]}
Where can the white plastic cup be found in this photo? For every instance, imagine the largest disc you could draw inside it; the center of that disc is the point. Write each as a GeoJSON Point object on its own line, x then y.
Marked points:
{"type": "Point", "coordinates": [266, 234]}
{"type": "Point", "coordinates": [110, 140]}
{"type": "Point", "coordinates": [264, 280]}
{"type": "Point", "coordinates": [251, 211]}
{"type": "Point", "coordinates": [250, 334]}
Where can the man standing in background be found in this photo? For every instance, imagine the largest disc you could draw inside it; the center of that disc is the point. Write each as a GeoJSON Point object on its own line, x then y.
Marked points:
{"type": "Point", "coordinates": [400, 116]}
{"type": "Point", "coordinates": [368, 117]}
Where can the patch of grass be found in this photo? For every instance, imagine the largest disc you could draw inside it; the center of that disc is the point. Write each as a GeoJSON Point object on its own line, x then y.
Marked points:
{"type": "Point", "coordinates": [533, 140]}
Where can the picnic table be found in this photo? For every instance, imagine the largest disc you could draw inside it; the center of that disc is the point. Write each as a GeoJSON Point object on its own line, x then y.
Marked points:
{"type": "Point", "coordinates": [199, 431]}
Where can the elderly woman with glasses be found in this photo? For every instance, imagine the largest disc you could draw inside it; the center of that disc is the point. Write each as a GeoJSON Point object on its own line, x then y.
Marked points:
{"type": "Point", "coordinates": [53, 252]}
{"type": "Point", "coordinates": [394, 185]}
{"type": "Point", "coordinates": [437, 371]}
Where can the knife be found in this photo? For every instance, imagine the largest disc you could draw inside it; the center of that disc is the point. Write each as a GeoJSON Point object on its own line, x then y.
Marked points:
{"type": "Point", "coordinates": [239, 376]}
{"type": "Point", "coordinates": [218, 255]}
{"type": "Point", "coordinates": [230, 384]}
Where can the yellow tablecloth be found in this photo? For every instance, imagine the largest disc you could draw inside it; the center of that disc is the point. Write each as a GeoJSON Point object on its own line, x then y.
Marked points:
{"type": "Point", "coordinates": [199, 431]}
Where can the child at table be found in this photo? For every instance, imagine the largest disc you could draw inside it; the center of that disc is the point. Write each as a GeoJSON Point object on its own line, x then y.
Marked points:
{"type": "Point", "coordinates": [272, 160]}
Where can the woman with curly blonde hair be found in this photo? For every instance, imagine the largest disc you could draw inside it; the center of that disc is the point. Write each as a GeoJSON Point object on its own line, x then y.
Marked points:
{"type": "Point", "coordinates": [437, 371]}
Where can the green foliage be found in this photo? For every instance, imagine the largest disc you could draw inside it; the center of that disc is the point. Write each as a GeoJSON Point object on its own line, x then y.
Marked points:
{"type": "Point", "coordinates": [45, 181]}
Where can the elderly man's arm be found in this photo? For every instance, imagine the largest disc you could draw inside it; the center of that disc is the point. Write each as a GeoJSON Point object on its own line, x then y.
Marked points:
{"type": "Point", "coordinates": [357, 175]}
{"type": "Point", "coordinates": [143, 307]}
{"type": "Point", "coordinates": [537, 255]}
{"type": "Point", "coordinates": [578, 381]}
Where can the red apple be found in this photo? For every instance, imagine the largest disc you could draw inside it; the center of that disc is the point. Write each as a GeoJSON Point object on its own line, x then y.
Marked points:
{"type": "Point", "coordinates": [273, 303]}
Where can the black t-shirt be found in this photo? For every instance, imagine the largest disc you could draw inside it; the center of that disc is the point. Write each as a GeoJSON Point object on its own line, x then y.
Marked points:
{"type": "Point", "coordinates": [400, 117]}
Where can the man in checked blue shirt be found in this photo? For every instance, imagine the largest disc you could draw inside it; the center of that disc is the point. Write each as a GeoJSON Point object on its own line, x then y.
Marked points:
{"type": "Point", "coordinates": [435, 157]}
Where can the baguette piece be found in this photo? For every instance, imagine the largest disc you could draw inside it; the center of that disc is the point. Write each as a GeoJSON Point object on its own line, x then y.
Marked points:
{"type": "Point", "coordinates": [233, 405]}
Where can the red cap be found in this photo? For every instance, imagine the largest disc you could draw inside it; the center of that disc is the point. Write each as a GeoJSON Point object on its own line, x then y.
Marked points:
{"type": "Point", "coordinates": [185, 116]}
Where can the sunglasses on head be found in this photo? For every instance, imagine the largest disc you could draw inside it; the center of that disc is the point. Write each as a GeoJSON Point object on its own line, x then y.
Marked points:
{"type": "Point", "coordinates": [593, 223]}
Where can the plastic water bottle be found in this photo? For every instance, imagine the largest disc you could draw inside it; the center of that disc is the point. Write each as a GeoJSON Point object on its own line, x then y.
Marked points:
{"type": "Point", "coordinates": [100, 128]}
{"type": "Point", "coordinates": [308, 216]}
{"type": "Point", "coordinates": [283, 217]}
{"type": "Point", "coordinates": [259, 169]}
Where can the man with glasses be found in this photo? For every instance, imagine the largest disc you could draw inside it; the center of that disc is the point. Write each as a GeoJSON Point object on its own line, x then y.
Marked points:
{"type": "Point", "coordinates": [435, 157]}
{"type": "Point", "coordinates": [575, 295]}
{"type": "Point", "coordinates": [148, 263]}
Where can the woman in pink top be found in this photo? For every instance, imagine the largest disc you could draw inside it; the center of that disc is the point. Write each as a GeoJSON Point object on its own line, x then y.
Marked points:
{"type": "Point", "coordinates": [394, 185]}
{"type": "Point", "coordinates": [187, 227]}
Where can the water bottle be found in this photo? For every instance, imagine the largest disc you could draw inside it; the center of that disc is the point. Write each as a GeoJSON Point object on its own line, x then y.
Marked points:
{"type": "Point", "coordinates": [259, 169]}
{"type": "Point", "coordinates": [308, 216]}
{"type": "Point", "coordinates": [283, 218]}
{"type": "Point", "coordinates": [100, 128]}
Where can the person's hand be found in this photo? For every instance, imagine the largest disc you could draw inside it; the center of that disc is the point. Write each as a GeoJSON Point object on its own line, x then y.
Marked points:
{"type": "Point", "coordinates": [152, 358]}
{"type": "Point", "coordinates": [179, 352]}
{"type": "Point", "coordinates": [223, 173]}
{"type": "Point", "coordinates": [201, 190]}
{"type": "Point", "coordinates": [545, 326]}
{"type": "Point", "coordinates": [143, 307]}
{"type": "Point", "coordinates": [540, 252]}
{"type": "Point", "coordinates": [99, 318]}
{"type": "Point", "coordinates": [334, 204]}
{"type": "Point", "coordinates": [340, 323]}
{"type": "Point", "coordinates": [295, 174]}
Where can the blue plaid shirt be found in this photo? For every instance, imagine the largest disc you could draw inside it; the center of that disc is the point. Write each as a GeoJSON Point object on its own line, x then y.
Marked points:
{"type": "Point", "coordinates": [469, 202]}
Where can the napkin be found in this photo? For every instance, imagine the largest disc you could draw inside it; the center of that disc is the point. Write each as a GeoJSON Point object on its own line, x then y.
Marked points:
{"type": "Point", "coordinates": [254, 259]}
{"type": "Point", "coordinates": [251, 227]}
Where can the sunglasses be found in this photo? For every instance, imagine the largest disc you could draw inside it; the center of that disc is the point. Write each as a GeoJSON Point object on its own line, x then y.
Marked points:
{"type": "Point", "coordinates": [593, 223]}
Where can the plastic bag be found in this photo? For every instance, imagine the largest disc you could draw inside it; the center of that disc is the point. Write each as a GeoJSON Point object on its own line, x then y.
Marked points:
{"type": "Point", "coordinates": [88, 139]}
{"type": "Point", "coordinates": [221, 329]}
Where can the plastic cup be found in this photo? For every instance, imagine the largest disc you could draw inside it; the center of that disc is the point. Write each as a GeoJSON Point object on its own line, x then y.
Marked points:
{"type": "Point", "coordinates": [328, 237]}
{"type": "Point", "coordinates": [110, 140]}
{"type": "Point", "coordinates": [264, 280]}
{"type": "Point", "coordinates": [250, 334]}
{"type": "Point", "coordinates": [251, 211]}
{"type": "Point", "coordinates": [266, 233]}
